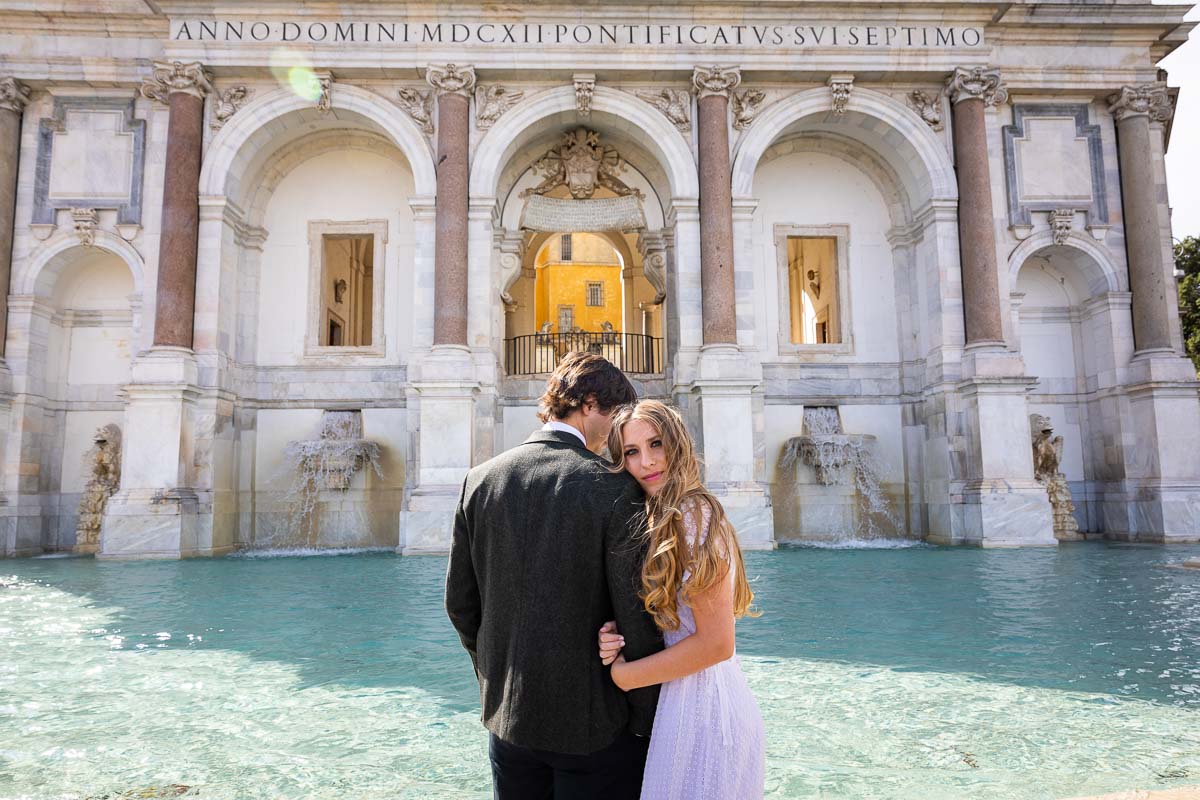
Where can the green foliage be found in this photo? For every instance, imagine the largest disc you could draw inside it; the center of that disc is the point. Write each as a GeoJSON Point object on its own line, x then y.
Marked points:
{"type": "Point", "coordinates": [1187, 259]}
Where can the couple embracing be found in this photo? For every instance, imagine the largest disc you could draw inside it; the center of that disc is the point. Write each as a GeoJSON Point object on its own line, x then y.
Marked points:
{"type": "Point", "coordinates": [597, 600]}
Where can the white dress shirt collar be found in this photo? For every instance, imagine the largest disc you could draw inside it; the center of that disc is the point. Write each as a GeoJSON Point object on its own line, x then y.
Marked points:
{"type": "Point", "coordinates": [555, 425]}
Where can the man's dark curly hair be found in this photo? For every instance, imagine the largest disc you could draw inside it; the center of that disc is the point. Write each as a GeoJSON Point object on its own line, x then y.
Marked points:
{"type": "Point", "coordinates": [580, 378]}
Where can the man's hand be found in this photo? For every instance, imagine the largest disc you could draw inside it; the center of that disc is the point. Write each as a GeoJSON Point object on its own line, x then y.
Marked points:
{"type": "Point", "coordinates": [611, 642]}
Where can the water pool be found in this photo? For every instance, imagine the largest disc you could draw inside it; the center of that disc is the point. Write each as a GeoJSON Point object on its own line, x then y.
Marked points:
{"type": "Point", "coordinates": [907, 673]}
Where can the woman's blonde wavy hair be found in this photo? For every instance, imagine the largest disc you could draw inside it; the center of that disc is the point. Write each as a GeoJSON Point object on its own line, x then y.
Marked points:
{"type": "Point", "coordinates": [682, 492]}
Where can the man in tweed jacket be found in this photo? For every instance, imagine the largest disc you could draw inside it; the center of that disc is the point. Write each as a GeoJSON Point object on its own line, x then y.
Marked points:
{"type": "Point", "coordinates": [546, 548]}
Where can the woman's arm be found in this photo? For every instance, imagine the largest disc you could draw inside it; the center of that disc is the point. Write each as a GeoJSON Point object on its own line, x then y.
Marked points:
{"type": "Point", "coordinates": [712, 643]}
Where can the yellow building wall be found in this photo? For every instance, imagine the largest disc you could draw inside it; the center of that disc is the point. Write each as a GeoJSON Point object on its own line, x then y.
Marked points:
{"type": "Point", "coordinates": [566, 285]}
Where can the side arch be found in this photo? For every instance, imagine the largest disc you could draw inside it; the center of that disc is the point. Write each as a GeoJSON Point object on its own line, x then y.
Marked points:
{"type": "Point", "coordinates": [876, 120]}
{"type": "Point", "coordinates": [1095, 268]}
{"type": "Point", "coordinates": [47, 263]}
{"type": "Point", "coordinates": [235, 143]}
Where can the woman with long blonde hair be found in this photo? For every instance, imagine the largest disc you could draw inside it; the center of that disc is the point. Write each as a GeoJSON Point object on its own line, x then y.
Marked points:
{"type": "Point", "coordinates": [708, 733]}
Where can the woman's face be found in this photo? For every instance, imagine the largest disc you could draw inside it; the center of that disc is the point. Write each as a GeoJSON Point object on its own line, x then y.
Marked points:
{"type": "Point", "coordinates": [645, 456]}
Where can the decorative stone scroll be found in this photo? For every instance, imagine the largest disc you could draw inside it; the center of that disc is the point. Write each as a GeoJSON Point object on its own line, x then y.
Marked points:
{"type": "Point", "coordinates": [491, 102]}
{"type": "Point", "coordinates": [746, 107]}
{"type": "Point", "coordinates": [419, 106]}
{"type": "Point", "coordinates": [976, 83]}
{"type": "Point", "coordinates": [581, 164]}
{"type": "Point", "coordinates": [1150, 99]}
{"type": "Point", "coordinates": [14, 95]}
{"type": "Point", "coordinates": [86, 220]}
{"type": "Point", "coordinates": [675, 105]}
{"type": "Point", "coordinates": [585, 88]}
{"type": "Point", "coordinates": [1061, 220]}
{"type": "Point", "coordinates": [451, 79]}
{"type": "Point", "coordinates": [325, 98]}
{"type": "Point", "coordinates": [227, 103]}
{"type": "Point", "coordinates": [708, 81]}
{"type": "Point", "coordinates": [169, 77]}
{"type": "Point", "coordinates": [929, 108]}
{"type": "Point", "coordinates": [840, 87]}
{"type": "Point", "coordinates": [551, 214]}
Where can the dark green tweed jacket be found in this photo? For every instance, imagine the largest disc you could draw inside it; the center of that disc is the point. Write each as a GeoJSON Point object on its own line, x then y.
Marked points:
{"type": "Point", "coordinates": [545, 550]}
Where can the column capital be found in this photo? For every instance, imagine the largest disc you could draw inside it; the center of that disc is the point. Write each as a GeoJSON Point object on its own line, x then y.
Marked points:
{"type": "Point", "coordinates": [976, 83]}
{"type": "Point", "coordinates": [1149, 99]}
{"type": "Point", "coordinates": [451, 79]}
{"type": "Point", "coordinates": [170, 77]}
{"type": "Point", "coordinates": [14, 95]}
{"type": "Point", "coordinates": [715, 80]}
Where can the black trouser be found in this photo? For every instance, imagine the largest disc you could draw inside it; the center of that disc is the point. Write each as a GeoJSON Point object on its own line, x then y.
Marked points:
{"type": "Point", "coordinates": [614, 773]}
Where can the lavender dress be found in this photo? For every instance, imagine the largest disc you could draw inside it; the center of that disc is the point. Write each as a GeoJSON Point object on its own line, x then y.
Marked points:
{"type": "Point", "coordinates": [707, 742]}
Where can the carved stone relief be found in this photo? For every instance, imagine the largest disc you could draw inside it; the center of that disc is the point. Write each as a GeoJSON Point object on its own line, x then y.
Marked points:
{"type": "Point", "coordinates": [746, 106]}
{"type": "Point", "coordinates": [928, 107]}
{"type": "Point", "coordinates": [491, 102]}
{"type": "Point", "coordinates": [227, 103]}
{"type": "Point", "coordinates": [976, 83]}
{"type": "Point", "coordinates": [581, 164]}
{"type": "Point", "coordinates": [675, 105]}
{"type": "Point", "coordinates": [419, 106]}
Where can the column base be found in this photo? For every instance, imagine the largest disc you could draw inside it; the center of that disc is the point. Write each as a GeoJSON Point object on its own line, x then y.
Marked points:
{"type": "Point", "coordinates": [1002, 514]}
{"type": "Point", "coordinates": [427, 523]}
{"type": "Point", "coordinates": [142, 524]}
{"type": "Point", "coordinates": [748, 507]}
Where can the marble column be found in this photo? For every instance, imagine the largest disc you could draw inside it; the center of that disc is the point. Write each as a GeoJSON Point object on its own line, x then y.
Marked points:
{"type": "Point", "coordinates": [182, 88]}
{"type": "Point", "coordinates": [13, 97]}
{"type": "Point", "coordinates": [1133, 108]}
{"type": "Point", "coordinates": [713, 85]}
{"type": "Point", "coordinates": [453, 86]}
{"type": "Point", "coordinates": [971, 92]}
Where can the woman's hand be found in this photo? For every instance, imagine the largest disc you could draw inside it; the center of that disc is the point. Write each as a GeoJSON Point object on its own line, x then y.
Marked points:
{"type": "Point", "coordinates": [611, 642]}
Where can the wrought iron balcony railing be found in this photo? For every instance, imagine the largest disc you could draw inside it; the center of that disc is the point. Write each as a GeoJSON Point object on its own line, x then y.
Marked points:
{"type": "Point", "coordinates": [537, 353]}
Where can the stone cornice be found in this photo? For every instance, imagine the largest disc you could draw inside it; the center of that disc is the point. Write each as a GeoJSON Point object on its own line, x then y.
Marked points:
{"type": "Point", "coordinates": [14, 95]}
{"type": "Point", "coordinates": [976, 83]}
{"type": "Point", "coordinates": [1147, 100]}
{"type": "Point", "coordinates": [170, 77]}
{"type": "Point", "coordinates": [451, 79]}
{"type": "Point", "coordinates": [715, 80]}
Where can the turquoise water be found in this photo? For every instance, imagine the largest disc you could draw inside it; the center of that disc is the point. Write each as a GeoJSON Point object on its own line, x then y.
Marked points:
{"type": "Point", "coordinates": [921, 672]}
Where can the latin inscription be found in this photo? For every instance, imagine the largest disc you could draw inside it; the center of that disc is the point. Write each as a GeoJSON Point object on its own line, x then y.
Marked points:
{"type": "Point", "coordinates": [571, 35]}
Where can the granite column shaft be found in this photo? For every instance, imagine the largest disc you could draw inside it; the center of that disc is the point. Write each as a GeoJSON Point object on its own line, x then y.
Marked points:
{"type": "Point", "coordinates": [450, 253]}
{"type": "Point", "coordinates": [976, 228]}
{"type": "Point", "coordinates": [1143, 238]}
{"type": "Point", "coordinates": [182, 88]}
{"type": "Point", "coordinates": [13, 96]}
{"type": "Point", "coordinates": [716, 221]}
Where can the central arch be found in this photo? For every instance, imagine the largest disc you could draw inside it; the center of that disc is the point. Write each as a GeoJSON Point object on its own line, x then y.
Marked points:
{"type": "Point", "coordinates": [636, 119]}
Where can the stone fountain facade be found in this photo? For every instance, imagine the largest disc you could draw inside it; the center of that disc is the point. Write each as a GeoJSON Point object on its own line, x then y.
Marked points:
{"type": "Point", "coordinates": [999, 231]}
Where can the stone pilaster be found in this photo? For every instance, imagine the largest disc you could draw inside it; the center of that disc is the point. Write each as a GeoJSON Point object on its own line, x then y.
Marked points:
{"type": "Point", "coordinates": [1159, 498]}
{"type": "Point", "coordinates": [13, 97]}
{"type": "Point", "coordinates": [726, 377]}
{"type": "Point", "coordinates": [158, 512]}
{"type": "Point", "coordinates": [453, 86]}
{"type": "Point", "coordinates": [713, 85]}
{"type": "Point", "coordinates": [993, 499]}
{"type": "Point", "coordinates": [445, 387]}
{"type": "Point", "coordinates": [182, 87]}
{"type": "Point", "coordinates": [971, 92]}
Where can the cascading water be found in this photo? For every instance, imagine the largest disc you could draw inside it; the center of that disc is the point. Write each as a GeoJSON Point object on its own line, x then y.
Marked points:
{"type": "Point", "coordinates": [321, 472]}
{"type": "Point", "coordinates": [855, 508]}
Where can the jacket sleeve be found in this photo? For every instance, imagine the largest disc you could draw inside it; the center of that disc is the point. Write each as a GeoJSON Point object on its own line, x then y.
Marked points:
{"type": "Point", "coordinates": [464, 604]}
{"type": "Point", "coordinates": [625, 552]}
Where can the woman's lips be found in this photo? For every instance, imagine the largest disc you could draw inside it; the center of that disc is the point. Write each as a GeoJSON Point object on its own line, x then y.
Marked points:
{"type": "Point", "coordinates": [653, 476]}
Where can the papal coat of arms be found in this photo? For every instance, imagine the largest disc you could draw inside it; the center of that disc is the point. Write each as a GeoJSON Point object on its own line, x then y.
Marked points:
{"type": "Point", "coordinates": [581, 163]}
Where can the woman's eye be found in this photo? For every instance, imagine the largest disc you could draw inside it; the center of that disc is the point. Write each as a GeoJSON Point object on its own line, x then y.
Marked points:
{"type": "Point", "coordinates": [656, 443]}
{"type": "Point", "coordinates": [629, 453]}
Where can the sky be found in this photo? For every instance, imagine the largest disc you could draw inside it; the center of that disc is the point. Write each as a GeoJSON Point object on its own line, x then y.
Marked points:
{"type": "Point", "coordinates": [1183, 159]}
